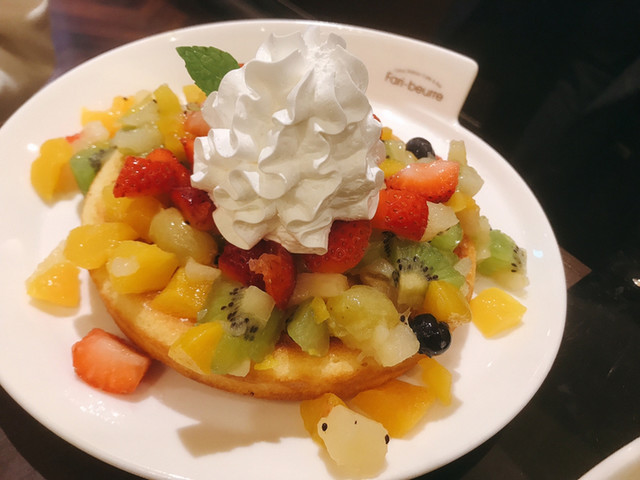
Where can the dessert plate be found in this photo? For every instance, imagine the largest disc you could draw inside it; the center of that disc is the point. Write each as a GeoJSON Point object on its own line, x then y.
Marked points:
{"type": "Point", "coordinates": [188, 430]}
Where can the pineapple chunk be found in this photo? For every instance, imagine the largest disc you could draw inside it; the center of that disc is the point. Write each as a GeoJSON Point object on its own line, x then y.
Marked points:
{"type": "Point", "coordinates": [88, 246]}
{"type": "Point", "coordinates": [397, 405]}
{"type": "Point", "coordinates": [137, 267]}
{"type": "Point", "coordinates": [494, 311]}
{"type": "Point", "coordinates": [356, 443]}
{"type": "Point", "coordinates": [437, 378]}
{"type": "Point", "coordinates": [55, 280]}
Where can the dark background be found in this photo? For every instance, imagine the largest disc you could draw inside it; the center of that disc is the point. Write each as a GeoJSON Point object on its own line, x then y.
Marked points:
{"type": "Point", "coordinates": [558, 95]}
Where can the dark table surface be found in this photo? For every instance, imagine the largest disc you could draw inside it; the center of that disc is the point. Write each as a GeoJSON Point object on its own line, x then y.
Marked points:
{"type": "Point", "coordinates": [558, 95]}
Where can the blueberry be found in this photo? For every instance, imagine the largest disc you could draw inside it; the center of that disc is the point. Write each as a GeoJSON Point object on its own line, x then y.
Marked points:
{"type": "Point", "coordinates": [434, 336]}
{"type": "Point", "coordinates": [420, 147]}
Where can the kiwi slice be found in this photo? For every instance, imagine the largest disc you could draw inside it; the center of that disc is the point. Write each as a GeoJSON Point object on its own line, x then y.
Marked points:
{"type": "Point", "coordinates": [86, 163]}
{"type": "Point", "coordinates": [309, 329]}
{"type": "Point", "coordinates": [242, 310]}
{"type": "Point", "coordinates": [416, 264]}
{"type": "Point", "coordinates": [252, 325]}
{"type": "Point", "coordinates": [506, 262]}
{"type": "Point", "coordinates": [449, 239]}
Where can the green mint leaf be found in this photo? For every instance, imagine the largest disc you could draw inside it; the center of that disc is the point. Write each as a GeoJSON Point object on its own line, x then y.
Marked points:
{"type": "Point", "coordinates": [207, 65]}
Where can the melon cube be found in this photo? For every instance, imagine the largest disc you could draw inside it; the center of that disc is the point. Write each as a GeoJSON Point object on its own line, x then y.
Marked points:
{"type": "Point", "coordinates": [397, 405]}
{"type": "Point", "coordinates": [494, 311]}
{"type": "Point", "coordinates": [137, 267]}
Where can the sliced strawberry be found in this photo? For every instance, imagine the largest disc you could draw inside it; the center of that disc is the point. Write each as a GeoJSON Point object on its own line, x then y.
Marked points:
{"type": "Point", "coordinates": [348, 241]}
{"type": "Point", "coordinates": [436, 180]}
{"type": "Point", "coordinates": [402, 212]}
{"type": "Point", "coordinates": [108, 363]}
{"type": "Point", "coordinates": [234, 263]}
{"type": "Point", "coordinates": [73, 138]}
{"type": "Point", "coordinates": [156, 174]}
{"type": "Point", "coordinates": [196, 207]}
{"type": "Point", "coordinates": [278, 273]}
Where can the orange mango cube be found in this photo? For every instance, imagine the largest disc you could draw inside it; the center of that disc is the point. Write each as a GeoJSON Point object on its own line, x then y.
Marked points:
{"type": "Point", "coordinates": [88, 246]}
{"type": "Point", "coordinates": [137, 267]}
{"type": "Point", "coordinates": [55, 280]}
{"type": "Point", "coordinates": [437, 378]}
{"type": "Point", "coordinates": [48, 168]}
{"type": "Point", "coordinates": [313, 410]}
{"type": "Point", "coordinates": [194, 348]}
{"type": "Point", "coordinates": [397, 405]}
{"type": "Point", "coordinates": [495, 311]}
{"type": "Point", "coordinates": [447, 303]}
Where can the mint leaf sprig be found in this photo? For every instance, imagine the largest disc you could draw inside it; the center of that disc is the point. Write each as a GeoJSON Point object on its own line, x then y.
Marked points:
{"type": "Point", "coordinates": [207, 65]}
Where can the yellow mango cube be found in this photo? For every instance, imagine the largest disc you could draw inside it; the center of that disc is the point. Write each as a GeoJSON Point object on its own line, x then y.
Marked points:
{"type": "Point", "coordinates": [88, 246]}
{"type": "Point", "coordinates": [194, 94]}
{"type": "Point", "coordinates": [397, 405]}
{"type": "Point", "coordinates": [184, 296]}
{"type": "Point", "coordinates": [391, 166]}
{"type": "Point", "coordinates": [314, 409]}
{"type": "Point", "coordinates": [137, 267]}
{"type": "Point", "coordinates": [109, 118]}
{"type": "Point", "coordinates": [136, 212]}
{"type": "Point", "coordinates": [194, 348]}
{"type": "Point", "coordinates": [447, 303]}
{"type": "Point", "coordinates": [494, 311]}
{"type": "Point", "coordinates": [460, 201]}
{"type": "Point", "coordinates": [55, 280]}
{"type": "Point", "coordinates": [437, 378]}
{"type": "Point", "coordinates": [48, 168]}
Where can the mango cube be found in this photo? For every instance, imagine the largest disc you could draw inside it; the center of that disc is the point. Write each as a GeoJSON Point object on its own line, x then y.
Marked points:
{"type": "Point", "coordinates": [136, 212]}
{"type": "Point", "coordinates": [494, 311]}
{"type": "Point", "coordinates": [447, 303]}
{"type": "Point", "coordinates": [48, 169]}
{"type": "Point", "coordinates": [88, 246]}
{"type": "Point", "coordinates": [397, 405]}
{"type": "Point", "coordinates": [437, 378]}
{"type": "Point", "coordinates": [194, 348]}
{"type": "Point", "coordinates": [138, 267]}
{"type": "Point", "coordinates": [313, 410]}
{"type": "Point", "coordinates": [55, 280]}
{"type": "Point", "coordinates": [184, 296]}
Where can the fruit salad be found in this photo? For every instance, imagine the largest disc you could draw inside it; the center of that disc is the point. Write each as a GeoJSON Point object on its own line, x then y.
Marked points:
{"type": "Point", "coordinates": [389, 273]}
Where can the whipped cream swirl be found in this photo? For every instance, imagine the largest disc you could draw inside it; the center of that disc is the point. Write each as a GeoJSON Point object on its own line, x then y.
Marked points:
{"type": "Point", "coordinates": [293, 145]}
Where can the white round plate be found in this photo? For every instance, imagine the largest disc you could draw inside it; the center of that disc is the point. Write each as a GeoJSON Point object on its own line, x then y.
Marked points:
{"type": "Point", "coordinates": [173, 427]}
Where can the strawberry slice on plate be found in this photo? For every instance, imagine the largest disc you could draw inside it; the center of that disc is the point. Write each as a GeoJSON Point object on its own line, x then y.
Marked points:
{"type": "Point", "coordinates": [108, 363]}
{"type": "Point", "coordinates": [348, 240]}
{"type": "Point", "coordinates": [402, 212]}
{"type": "Point", "coordinates": [436, 180]}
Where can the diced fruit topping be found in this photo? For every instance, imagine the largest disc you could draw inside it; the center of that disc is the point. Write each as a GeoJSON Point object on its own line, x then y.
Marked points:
{"type": "Point", "coordinates": [348, 240]}
{"type": "Point", "coordinates": [196, 206]}
{"type": "Point", "coordinates": [324, 285]}
{"type": "Point", "coordinates": [421, 147]}
{"type": "Point", "coordinates": [308, 327]}
{"type": "Point", "coordinates": [506, 262]}
{"type": "Point", "coordinates": [397, 405]}
{"type": "Point", "coordinates": [88, 246]}
{"type": "Point", "coordinates": [156, 174]}
{"type": "Point", "coordinates": [434, 336]}
{"type": "Point", "coordinates": [436, 180]}
{"type": "Point", "coordinates": [446, 303]}
{"type": "Point", "coordinates": [86, 163]}
{"type": "Point", "coordinates": [136, 212]}
{"type": "Point", "coordinates": [46, 170]}
{"type": "Point", "coordinates": [495, 311]}
{"type": "Point", "coordinates": [108, 363]}
{"type": "Point", "coordinates": [137, 267]}
{"type": "Point", "coordinates": [355, 442]}
{"type": "Point", "coordinates": [366, 319]}
{"type": "Point", "coordinates": [404, 213]}
{"type": "Point", "coordinates": [314, 409]}
{"type": "Point", "coordinates": [194, 348]}
{"type": "Point", "coordinates": [55, 280]}
{"type": "Point", "coordinates": [170, 232]}
{"type": "Point", "coordinates": [438, 378]}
